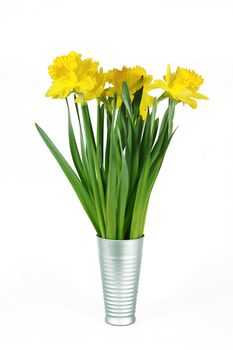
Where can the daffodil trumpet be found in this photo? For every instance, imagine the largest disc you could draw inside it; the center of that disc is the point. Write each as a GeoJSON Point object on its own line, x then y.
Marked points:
{"type": "Point", "coordinates": [116, 166]}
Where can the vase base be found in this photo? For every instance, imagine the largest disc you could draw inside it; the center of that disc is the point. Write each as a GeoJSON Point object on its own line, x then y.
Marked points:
{"type": "Point", "coordinates": [120, 321]}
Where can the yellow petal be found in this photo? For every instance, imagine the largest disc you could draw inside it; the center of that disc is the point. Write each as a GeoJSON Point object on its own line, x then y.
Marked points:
{"type": "Point", "coordinates": [119, 101]}
{"type": "Point", "coordinates": [160, 84]}
{"type": "Point", "coordinates": [86, 84]}
{"type": "Point", "coordinates": [80, 99]}
{"type": "Point", "coordinates": [199, 96]}
{"type": "Point", "coordinates": [143, 113]}
{"type": "Point", "coordinates": [189, 101]}
{"type": "Point", "coordinates": [59, 89]}
{"type": "Point", "coordinates": [110, 91]}
{"type": "Point", "coordinates": [146, 102]}
{"type": "Point", "coordinates": [168, 76]}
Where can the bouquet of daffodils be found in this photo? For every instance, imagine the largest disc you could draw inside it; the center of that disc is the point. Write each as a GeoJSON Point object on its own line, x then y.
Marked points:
{"type": "Point", "coordinates": [116, 165]}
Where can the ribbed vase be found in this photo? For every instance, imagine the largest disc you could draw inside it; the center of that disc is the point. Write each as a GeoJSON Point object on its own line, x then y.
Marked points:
{"type": "Point", "coordinates": [120, 262]}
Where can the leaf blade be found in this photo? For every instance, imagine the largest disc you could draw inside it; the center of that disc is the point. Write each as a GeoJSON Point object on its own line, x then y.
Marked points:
{"type": "Point", "coordinates": [111, 192]}
{"type": "Point", "coordinates": [72, 177]}
{"type": "Point", "coordinates": [123, 188]}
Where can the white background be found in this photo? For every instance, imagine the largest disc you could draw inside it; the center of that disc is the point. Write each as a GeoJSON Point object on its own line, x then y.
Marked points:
{"type": "Point", "coordinates": [50, 288]}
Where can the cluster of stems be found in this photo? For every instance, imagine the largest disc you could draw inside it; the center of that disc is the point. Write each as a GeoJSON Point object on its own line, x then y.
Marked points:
{"type": "Point", "coordinates": [116, 166]}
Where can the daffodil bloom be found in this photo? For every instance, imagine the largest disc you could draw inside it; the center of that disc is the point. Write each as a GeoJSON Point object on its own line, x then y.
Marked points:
{"type": "Point", "coordinates": [63, 74]}
{"type": "Point", "coordinates": [182, 85]}
{"type": "Point", "coordinates": [95, 89]}
{"type": "Point", "coordinates": [72, 74]}
{"type": "Point", "coordinates": [146, 102]}
{"type": "Point", "coordinates": [135, 78]}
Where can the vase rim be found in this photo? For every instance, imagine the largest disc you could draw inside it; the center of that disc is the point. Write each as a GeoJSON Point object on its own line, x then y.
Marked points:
{"type": "Point", "coordinates": [119, 240]}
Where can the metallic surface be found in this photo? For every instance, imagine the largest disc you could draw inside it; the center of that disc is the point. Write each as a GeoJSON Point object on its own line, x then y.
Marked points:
{"type": "Point", "coordinates": [120, 262]}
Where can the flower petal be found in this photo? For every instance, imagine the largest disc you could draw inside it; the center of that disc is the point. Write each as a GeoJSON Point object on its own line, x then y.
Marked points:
{"type": "Point", "coordinates": [199, 96]}
{"type": "Point", "coordinates": [160, 84]}
{"type": "Point", "coordinates": [189, 101]}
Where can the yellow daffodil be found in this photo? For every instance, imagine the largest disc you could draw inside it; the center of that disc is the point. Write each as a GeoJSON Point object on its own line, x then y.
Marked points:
{"type": "Point", "coordinates": [95, 89]}
{"type": "Point", "coordinates": [72, 74]}
{"type": "Point", "coordinates": [146, 102]}
{"type": "Point", "coordinates": [63, 74]}
{"type": "Point", "coordinates": [182, 85]}
{"type": "Point", "coordinates": [135, 78]}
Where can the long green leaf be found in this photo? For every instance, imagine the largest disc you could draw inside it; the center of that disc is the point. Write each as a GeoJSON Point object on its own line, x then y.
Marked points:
{"type": "Point", "coordinates": [129, 213]}
{"type": "Point", "coordinates": [118, 159]}
{"type": "Point", "coordinates": [147, 195]}
{"type": "Point", "coordinates": [154, 131]}
{"type": "Point", "coordinates": [135, 171]}
{"type": "Point", "coordinates": [107, 146]}
{"type": "Point", "coordinates": [146, 141]}
{"type": "Point", "coordinates": [154, 168]}
{"type": "Point", "coordinates": [73, 179]}
{"type": "Point", "coordinates": [136, 224]}
{"type": "Point", "coordinates": [123, 187]}
{"type": "Point", "coordinates": [95, 175]}
{"type": "Point", "coordinates": [88, 126]}
{"type": "Point", "coordinates": [86, 169]}
{"type": "Point", "coordinates": [74, 149]}
{"type": "Point", "coordinates": [136, 102]}
{"type": "Point", "coordinates": [163, 132]}
{"type": "Point", "coordinates": [154, 171]}
{"type": "Point", "coordinates": [126, 98]}
{"type": "Point", "coordinates": [100, 134]}
{"type": "Point", "coordinates": [151, 180]}
{"type": "Point", "coordinates": [111, 192]}
{"type": "Point", "coordinates": [128, 147]}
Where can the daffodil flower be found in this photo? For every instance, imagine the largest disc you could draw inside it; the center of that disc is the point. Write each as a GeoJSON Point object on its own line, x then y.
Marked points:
{"type": "Point", "coordinates": [182, 85]}
{"type": "Point", "coordinates": [72, 74]}
{"type": "Point", "coordinates": [135, 78]}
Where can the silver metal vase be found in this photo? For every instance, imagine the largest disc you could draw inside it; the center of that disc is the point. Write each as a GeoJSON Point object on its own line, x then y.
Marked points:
{"type": "Point", "coordinates": [120, 262]}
